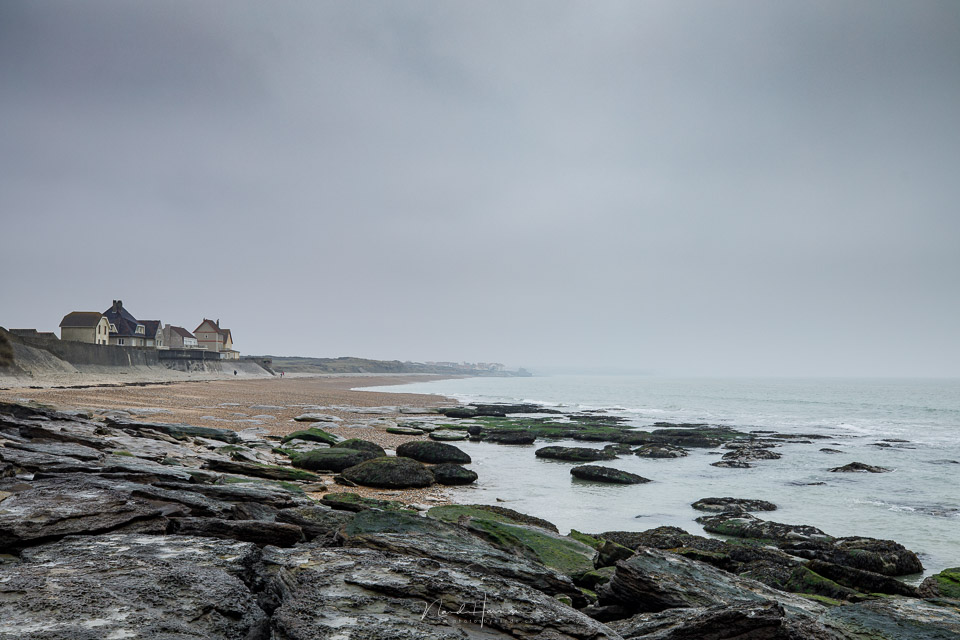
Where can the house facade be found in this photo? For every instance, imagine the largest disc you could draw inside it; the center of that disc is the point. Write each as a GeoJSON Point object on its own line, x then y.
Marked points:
{"type": "Point", "coordinates": [154, 333]}
{"type": "Point", "coordinates": [212, 337]}
{"type": "Point", "coordinates": [179, 338]}
{"type": "Point", "coordinates": [91, 327]}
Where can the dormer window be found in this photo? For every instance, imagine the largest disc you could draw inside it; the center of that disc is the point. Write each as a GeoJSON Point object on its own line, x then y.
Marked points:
{"type": "Point", "coordinates": [113, 327]}
{"type": "Point", "coordinates": [140, 329]}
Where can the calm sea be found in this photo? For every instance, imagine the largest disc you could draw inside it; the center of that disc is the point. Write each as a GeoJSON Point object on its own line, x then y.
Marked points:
{"type": "Point", "coordinates": [917, 505]}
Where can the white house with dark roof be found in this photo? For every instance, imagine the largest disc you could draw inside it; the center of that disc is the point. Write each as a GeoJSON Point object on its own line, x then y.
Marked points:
{"type": "Point", "coordinates": [125, 330]}
{"type": "Point", "coordinates": [91, 327]}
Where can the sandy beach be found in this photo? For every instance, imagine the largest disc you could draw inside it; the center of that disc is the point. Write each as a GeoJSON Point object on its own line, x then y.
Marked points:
{"type": "Point", "coordinates": [267, 403]}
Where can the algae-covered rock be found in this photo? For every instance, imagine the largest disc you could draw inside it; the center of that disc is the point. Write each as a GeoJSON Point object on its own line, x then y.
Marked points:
{"type": "Point", "coordinates": [332, 459]}
{"type": "Point", "coordinates": [561, 553]}
{"type": "Point", "coordinates": [432, 452]}
{"type": "Point", "coordinates": [312, 435]}
{"type": "Point", "coordinates": [574, 454]}
{"type": "Point", "coordinates": [744, 525]}
{"type": "Point", "coordinates": [597, 473]}
{"type": "Point", "coordinates": [510, 437]}
{"type": "Point", "coordinates": [405, 431]}
{"type": "Point", "coordinates": [945, 584]}
{"type": "Point", "coordinates": [448, 435]}
{"type": "Point", "coordinates": [390, 473]}
{"type": "Point", "coordinates": [361, 445]}
{"type": "Point", "coordinates": [453, 474]}
{"type": "Point", "coordinates": [346, 501]}
{"type": "Point", "coordinates": [661, 450]}
{"type": "Point", "coordinates": [362, 594]}
{"type": "Point", "coordinates": [860, 467]}
{"type": "Point", "coordinates": [457, 512]}
{"type": "Point", "coordinates": [732, 504]}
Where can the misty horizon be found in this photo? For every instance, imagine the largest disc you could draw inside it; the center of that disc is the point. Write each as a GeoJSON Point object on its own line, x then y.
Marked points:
{"type": "Point", "coordinates": [673, 188]}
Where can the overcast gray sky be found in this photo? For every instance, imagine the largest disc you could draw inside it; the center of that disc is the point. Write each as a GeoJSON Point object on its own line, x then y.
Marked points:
{"type": "Point", "coordinates": [679, 187]}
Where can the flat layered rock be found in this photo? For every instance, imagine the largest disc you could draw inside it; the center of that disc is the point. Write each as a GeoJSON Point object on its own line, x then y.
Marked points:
{"type": "Point", "coordinates": [358, 594]}
{"type": "Point", "coordinates": [733, 504]}
{"type": "Point", "coordinates": [575, 454]}
{"type": "Point", "coordinates": [448, 435]}
{"type": "Point", "coordinates": [280, 534]}
{"type": "Point", "coordinates": [452, 545]}
{"type": "Point", "coordinates": [131, 586]}
{"type": "Point", "coordinates": [38, 510]}
{"type": "Point", "coordinates": [176, 430]}
{"type": "Point", "coordinates": [317, 417]}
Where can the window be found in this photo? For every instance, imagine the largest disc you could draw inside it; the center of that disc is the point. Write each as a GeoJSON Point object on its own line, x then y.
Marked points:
{"type": "Point", "coordinates": [120, 341]}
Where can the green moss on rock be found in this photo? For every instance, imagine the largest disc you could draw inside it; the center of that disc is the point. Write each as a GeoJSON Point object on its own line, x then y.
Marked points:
{"type": "Point", "coordinates": [312, 435]}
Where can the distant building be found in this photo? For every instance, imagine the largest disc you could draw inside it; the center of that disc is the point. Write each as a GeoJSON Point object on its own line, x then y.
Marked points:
{"type": "Point", "coordinates": [125, 330]}
{"type": "Point", "coordinates": [33, 333]}
{"type": "Point", "coordinates": [154, 333]}
{"type": "Point", "coordinates": [179, 338]}
{"type": "Point", "coordinates": [212, 337]}
{"type": "Point", "coordinates": [91, 327]}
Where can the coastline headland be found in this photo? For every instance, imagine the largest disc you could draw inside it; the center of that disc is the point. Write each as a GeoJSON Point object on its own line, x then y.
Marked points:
{"type": "Point", "coordinates": [266, 508]}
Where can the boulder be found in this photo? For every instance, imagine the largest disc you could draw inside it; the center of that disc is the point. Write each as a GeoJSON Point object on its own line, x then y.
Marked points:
{"type": "Point", "coordinates": [597, 473]}
{"type": "Point", "coordinates": [574, 454]}
{"type": "Point", "coordinates": [751, 454]}
{"type": "Point", "coordinates": [452, 474]}
{"type": "Point", "coordinates": [390, 473]}
{"type": "Point", "coordinates": [661, 450]}
{"type": "Point", "coordinates": [731, 464]}
{"type": "Point", "coordinates": [332, 459]}
{"type": "Point", "coordinates": [885, 557]}
{"type": "Point", "coordinates": [732, 504]}
{"type": "Point", "coordinates": [432, 452]}
{"type": "Point", "coordinates": [510, 437]}
{"type": "Point", "coordinates": [313, 435]}
{"type": "Point", "coordinates": [859, 466]}
{"type": "Point", "coordinates": [361, 445]}
{"type": "Point", "coordinates": [945, 584]}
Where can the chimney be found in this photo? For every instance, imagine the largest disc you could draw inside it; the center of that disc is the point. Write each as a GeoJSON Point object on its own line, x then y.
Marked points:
{"type": "Point", "coordinates": [218, 323]}
{"type": "Point", "coordinates": [117, 306]}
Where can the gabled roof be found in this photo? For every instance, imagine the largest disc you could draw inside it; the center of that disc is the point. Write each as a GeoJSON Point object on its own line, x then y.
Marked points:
{"type": "Point", "coordinates": [183, 333]}
{"type": "Point", "coordinates": [81, 319]}
{"type": "Point", "coordinates": [215, 325]}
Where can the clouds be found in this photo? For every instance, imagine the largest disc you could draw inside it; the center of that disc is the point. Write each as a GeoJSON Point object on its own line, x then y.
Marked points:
{"type": "Point", "coordinates": [676, 186]}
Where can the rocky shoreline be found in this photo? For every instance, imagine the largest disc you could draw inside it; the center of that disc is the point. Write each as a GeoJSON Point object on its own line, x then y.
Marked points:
{"type": "Point", "coordinates": [116, 528]}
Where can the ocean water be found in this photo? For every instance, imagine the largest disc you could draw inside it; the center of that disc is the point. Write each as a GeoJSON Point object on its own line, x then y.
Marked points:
{"type": "Point", "coordinates": [918, 504]}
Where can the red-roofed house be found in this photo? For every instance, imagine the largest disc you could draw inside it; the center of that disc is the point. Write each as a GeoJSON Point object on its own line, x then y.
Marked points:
{"type": "Point", "coordinates": [211, 337]}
